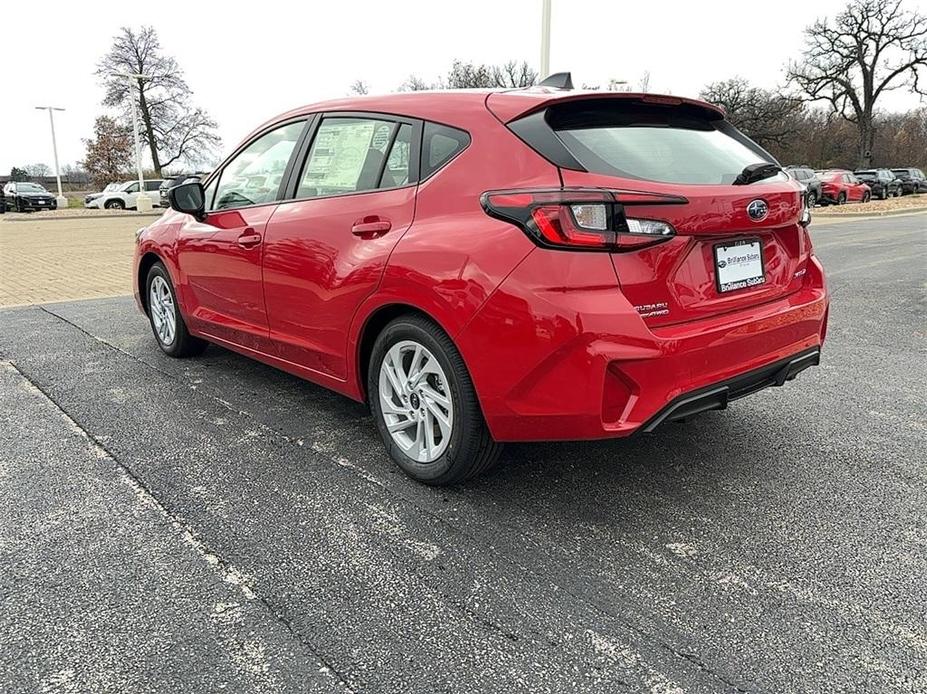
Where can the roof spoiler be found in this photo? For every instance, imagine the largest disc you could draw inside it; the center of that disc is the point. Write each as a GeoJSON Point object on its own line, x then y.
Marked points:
{"type": "Point", "coordinates": [558, 80]}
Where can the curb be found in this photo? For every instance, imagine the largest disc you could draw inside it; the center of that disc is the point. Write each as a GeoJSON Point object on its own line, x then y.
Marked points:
{"type": "Point", "coordinates": [871, 215]}
{"type": "Point", "coordinates": [82, 216]}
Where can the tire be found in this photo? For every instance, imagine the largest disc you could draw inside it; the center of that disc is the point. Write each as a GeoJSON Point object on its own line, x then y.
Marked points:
{"type": "Point", "coordinates": [468, 449]}
{"type": "Point", "coordinates": [20, 207]}
{"type": "Point", "coordinates": [811, 199]}
{"type": "Point", "coordinates": [884, 194]}
{"type": "Point", "coordinates": [114, 204]}
{"type": "Point", "coordinates": [842, 199]}
{"type": "Point", "coordinates": [167, 325]}
{"type": "Point", "coordinates": [866, 197]}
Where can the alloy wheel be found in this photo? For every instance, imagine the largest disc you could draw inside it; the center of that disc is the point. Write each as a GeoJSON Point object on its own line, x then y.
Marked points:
{"type": "Point", "coordinates": [416, 401]}
{"type": "Point", "coordinates": [162, 310]}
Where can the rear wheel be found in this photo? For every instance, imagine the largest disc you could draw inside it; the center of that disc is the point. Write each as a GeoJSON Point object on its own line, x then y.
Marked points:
{"type": "Point", "coordinates": [425, 406]}
{"type": "Point", "coordinates": [867, 197]}
{"type": "Point", "coordinates": [841, 199]}
{"type": "Point", "coordinates": [114, 204]}
{"type": "Point", "coordinates": [166, 322]}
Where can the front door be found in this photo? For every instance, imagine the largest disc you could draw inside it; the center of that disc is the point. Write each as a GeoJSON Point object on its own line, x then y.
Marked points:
{"type": "Point", "coordinates": [220, 257]}
{"type": "Point", "coordinates": [325, 251]}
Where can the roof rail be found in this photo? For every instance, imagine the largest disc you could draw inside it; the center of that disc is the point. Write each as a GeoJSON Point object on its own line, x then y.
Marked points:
{"type": "Point", "coordinates": [558, 80]}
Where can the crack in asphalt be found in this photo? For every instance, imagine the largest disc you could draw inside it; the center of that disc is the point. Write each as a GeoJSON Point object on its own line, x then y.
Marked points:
{"type": "Point", "coordinates": [225, 569]}
{"type": "Point", "coordinates": [644, 634]}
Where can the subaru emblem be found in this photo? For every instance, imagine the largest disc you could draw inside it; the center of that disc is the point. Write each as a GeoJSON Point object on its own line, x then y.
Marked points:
{"type": "Point", "coordinates": [758, 209]}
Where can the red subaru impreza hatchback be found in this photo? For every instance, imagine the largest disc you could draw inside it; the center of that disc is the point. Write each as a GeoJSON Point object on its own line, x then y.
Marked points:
{"type": "Point", "coordinates": [491, 266]}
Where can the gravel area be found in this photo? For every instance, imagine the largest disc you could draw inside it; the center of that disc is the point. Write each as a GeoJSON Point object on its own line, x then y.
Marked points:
{"type": "Point", "coordinates": [906, 203]}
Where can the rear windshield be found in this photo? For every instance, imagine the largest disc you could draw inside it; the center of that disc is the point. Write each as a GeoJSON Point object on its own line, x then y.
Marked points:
{"type": "Point", "coordinates": [667, 144]}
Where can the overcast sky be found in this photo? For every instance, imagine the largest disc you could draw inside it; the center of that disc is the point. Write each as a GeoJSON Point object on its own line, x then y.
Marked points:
{"type": "Point", "coordinates": [248, 61]}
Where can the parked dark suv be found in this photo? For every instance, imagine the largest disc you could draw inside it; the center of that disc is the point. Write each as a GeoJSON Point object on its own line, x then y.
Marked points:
{"type": "Point", "coordinates": [21, 196]}
{"type": "Point", "coordinates": [912, 180]}
{"type": "Point", "coordinates": [883, 182]}
{"type": "Point", "coordinates": [807, 177]}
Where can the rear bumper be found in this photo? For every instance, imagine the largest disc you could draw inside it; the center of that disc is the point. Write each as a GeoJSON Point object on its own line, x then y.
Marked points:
{"type": "Point", "coordinates": [717, 396]}
{"type": "Point", "coordinates": [577, 366]}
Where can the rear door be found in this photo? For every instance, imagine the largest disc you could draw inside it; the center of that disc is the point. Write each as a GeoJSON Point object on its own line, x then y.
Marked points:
{"type": "Point", "coordinates": [353, 196]}
{"type": "Point", "coordinates": [735, 245]}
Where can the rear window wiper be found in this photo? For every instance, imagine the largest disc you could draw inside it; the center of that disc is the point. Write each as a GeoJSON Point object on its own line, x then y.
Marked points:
{"type": "Point", "coordinates": [756, 172]}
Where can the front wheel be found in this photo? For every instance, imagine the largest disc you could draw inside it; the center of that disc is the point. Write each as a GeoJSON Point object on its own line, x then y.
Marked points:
{"type": "Point", "coordinates": [841, 199]}
{"type": "Point", "coordinates": [114, 205]}
{"type": "Point", "coordinates": [425, 406]}
{"type": "Point", "coordinates": [867, 197]}
{"type": "Point", "coordinates": [166, 322]}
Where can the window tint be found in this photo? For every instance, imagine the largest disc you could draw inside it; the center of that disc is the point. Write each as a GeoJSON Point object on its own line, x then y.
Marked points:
{"type": "Point", "coordinates": [253, 176]}
{"type": "Point", "coordinates": [672, 145]}
{"type": "Point", "coordinates": [346, 157]}
{"type": "Point", "coordinates": [440, 144]}
{"type": "Point", "coordinates": [152, 185]}
{"type": "Point", "coordinates": [396, 172]}
{"type": "Point", "coordinates": [133, 188]}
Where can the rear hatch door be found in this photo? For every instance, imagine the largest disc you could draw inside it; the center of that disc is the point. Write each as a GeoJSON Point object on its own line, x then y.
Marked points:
{"type": "Point", "coordinates": [735, 246]}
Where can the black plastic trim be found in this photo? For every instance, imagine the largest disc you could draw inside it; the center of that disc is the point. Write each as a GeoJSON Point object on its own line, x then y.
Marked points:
{"type": "Point", "coordinates": [718, 395]}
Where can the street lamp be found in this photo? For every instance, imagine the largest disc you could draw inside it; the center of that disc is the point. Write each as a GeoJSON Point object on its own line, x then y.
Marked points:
{"type": "Point", "coordinates": [61, 201]}
{"type": "Point", "coordinates": [545, 38]}
{"type": "Point", "coordinates": [142, 201]}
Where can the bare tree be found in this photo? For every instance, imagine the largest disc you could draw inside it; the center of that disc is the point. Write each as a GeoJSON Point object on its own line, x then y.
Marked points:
{"type": "Point", "coordinates": [511, 75]}
{"type": "Point", "coordinates": [644, 85]}
{"type": "Point", "coordinates": [38, 170]}
{"type": "Point", "coordinates": [359, 87]}
{"type": "Point", "coordinates": [174, 129]}
{"type": "Point", "coordinates": [414, 83]}
{"type": "Point", "coordinates": [767, 117]}
{"type": "Point", "coordinates": [873, 46]}
{"type": "Point", "coordinates": [109, 152]}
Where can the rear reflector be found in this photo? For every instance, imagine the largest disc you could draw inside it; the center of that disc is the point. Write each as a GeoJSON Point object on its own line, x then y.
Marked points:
{"type": "Point", "coordinates": [581, 218]}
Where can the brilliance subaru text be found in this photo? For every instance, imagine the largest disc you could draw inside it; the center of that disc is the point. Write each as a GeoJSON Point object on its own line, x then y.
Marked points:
{"type": "Point", "coordinates": [491, 266]}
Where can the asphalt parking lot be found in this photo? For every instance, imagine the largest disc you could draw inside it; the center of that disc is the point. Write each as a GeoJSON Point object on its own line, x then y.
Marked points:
{"type": "Point", "coordinates": [215, 524]}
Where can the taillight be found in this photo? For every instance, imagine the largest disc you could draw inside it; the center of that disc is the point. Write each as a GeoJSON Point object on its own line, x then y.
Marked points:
{"type": "Point", "coordinates": [581, 218]}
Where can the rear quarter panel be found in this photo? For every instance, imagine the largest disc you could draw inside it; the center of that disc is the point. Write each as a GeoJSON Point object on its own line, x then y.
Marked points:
{"type": "Point", "coordinates": [454, 255]}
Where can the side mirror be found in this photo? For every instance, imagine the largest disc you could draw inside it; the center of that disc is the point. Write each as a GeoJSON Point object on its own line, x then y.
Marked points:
{"type": "Point", "coordinates": [189, 198]}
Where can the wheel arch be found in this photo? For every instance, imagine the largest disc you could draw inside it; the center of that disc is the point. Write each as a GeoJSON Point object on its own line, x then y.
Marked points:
{"type": "Point", "coordinates": [145, 262]}
{"type": "Point", "coordinates": [372, 325]}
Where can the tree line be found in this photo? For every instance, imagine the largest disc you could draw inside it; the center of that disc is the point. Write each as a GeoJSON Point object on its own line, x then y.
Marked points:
{"type": "Point", "coordinates": [827, 113]}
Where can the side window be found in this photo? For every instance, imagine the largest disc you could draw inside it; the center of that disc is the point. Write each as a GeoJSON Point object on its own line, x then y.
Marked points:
{"type": "Point", "coordinates": [396, 172]}
{"type": "Point", "coordinates": [253, 176]}
{"type": "Point", "coordinates": [152, 185]}
{"type": "Point", "coordinates": [132, 188]}
{"type": "Point", "coordinates": [440, 144]}
{"type": "Point", "coordinates": [347, 156]}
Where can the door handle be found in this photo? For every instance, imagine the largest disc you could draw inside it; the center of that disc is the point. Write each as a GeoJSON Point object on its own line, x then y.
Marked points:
{"type": "Point", "coordinates": [371, 226]}
{"type": "Point", "coordinates": [249, 238]}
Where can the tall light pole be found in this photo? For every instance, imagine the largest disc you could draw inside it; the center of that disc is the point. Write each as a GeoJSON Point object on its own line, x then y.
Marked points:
{"type": "Point", "coordinates": [142, 201]}
{"type": "Point", "coordinates": [545, 38]}
{"type": "Point", "coordinates": [61, 201]}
